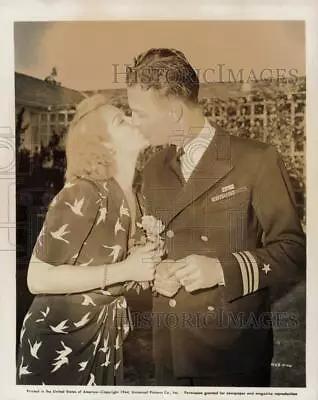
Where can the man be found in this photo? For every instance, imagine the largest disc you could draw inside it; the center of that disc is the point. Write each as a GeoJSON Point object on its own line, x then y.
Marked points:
{"type": "Point", "coordinates": [231, 232]}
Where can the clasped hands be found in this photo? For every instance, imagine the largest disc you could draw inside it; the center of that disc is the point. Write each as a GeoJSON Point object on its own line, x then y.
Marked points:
{"type": "Point", "coordinates": [193, 272]}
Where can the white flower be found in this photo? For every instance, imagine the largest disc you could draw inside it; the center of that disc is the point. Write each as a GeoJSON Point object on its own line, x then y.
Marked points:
{"type": "Point", "coordinates": [152, 228]}
{"type": "Point", "coordinates": [151, 225]}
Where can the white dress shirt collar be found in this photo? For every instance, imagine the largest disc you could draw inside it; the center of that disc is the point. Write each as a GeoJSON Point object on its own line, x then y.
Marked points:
{"type": "Point", "coordinates": [195, 148]}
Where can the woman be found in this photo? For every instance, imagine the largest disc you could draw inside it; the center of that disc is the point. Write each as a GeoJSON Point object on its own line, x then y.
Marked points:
{"type": "Point", "coordinates": [71, 338]}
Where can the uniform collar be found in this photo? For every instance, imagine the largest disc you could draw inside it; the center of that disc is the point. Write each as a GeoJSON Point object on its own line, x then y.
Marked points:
{"type": "Point", "coordinates": [201, 140]}
{"type": "Point", "coordinates": [216, 158]}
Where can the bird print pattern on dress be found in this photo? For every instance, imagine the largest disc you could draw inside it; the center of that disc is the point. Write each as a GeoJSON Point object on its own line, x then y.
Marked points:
{"type": "Point", "coordinates": [76, 207]}
{"type": "Point", "coordinates": [62, 357]}
{"type": "Point", "coordinates": [116, 249]}
{"type": "Point", "coordinates": [78, 338]}
{"type": "Point", "coordinates": [62, 231]}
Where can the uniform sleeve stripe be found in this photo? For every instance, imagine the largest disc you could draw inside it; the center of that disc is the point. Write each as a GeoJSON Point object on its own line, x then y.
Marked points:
{"type": "Point", "coordinates": [241, 262]}
{"type": "Point", "coordinates": [249, 271]}
{"type": "Point", "coordinates": [255, 270]}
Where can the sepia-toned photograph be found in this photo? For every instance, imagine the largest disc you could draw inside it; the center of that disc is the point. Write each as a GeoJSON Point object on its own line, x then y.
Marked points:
{"type": "Point", "coordinates": [160, 203]}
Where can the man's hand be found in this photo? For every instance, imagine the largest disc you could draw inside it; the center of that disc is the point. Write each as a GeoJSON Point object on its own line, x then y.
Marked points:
{"type": "Point", "coordinates": [166, 282]}
{"type": "Point", "coordinates": [198, 272]}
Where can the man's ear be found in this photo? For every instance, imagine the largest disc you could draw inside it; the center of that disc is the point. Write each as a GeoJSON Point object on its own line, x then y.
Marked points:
{"type": "Point", "coordinates": [176, 112]}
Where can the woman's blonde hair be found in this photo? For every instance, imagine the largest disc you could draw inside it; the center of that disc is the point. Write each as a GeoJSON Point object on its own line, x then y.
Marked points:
{"type": "Point", "coordinates": [89, 153]}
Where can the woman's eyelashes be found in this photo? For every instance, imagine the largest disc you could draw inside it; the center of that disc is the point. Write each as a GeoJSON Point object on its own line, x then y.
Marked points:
{"type": "Point", "coordinates": [120, 120]}
{"type": "Point", "coordinates": [117, 120]}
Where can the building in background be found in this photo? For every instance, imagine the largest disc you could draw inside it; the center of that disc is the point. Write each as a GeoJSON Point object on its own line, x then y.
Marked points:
{"type": "Point", "coordinates": [43, 109]}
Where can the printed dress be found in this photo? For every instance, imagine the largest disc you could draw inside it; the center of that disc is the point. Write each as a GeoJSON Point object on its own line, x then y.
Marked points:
{"type": "Point", "coordinates": [77, 339]}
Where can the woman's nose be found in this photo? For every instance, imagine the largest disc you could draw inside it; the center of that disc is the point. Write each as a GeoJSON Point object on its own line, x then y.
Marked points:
{"type": "Point", "coordinates": [135, 121]}
{"type": "Point", "coordinates": [128, 120]}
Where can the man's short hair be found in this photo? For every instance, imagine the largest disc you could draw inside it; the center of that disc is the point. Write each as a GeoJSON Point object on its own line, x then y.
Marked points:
{"type": "Point", "coordinates": [165, 70]}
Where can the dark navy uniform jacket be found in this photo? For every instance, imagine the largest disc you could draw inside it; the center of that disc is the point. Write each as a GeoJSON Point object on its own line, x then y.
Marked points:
{"type": "Point", "coordinates": [237, 206]}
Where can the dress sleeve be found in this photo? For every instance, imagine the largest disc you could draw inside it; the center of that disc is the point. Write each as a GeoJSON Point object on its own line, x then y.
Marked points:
{"type": "Point", "coordinates": [69, 220]}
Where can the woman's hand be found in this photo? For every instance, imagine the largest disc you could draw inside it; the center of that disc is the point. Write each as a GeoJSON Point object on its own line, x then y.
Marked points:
{"type": "Point", "coordinates": [165, 282]}
{"type": "Point", "coordinates": [141, 263]}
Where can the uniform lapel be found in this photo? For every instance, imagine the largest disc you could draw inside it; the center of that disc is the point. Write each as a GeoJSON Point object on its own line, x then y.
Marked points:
{"type": "Point", "coordinates": [175, 165]}
{"type": "Point", "coordinates": [163, 184]}
{"type": "Point", "coordinates": [171, 182]}
{"type": "Point", "coordinates": [214, 165]}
